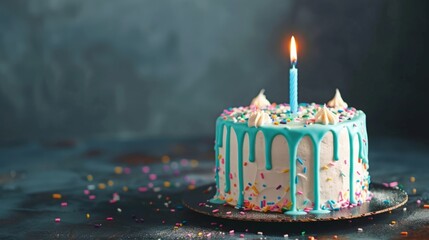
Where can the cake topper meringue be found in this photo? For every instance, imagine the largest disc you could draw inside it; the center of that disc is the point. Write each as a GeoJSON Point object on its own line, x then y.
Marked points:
{"type": "Point", "coordinates": [337, 101]}
{"type": "Point", "coordinates": [260, 101]}
{"type": "Point", "coordinates": [259, 118]}
{"type": "Point", "coordinates": [325, 116]}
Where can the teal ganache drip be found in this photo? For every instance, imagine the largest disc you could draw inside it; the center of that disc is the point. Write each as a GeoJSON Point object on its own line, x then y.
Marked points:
{"type": "Point", "coordinates": [227, 157]}
{"type": "Point", "coordinates": [351, 162]}
{"type": "Point", "coordinates": [218, 144]}
{"type": "Point", "coordinates": [240, 131]}
{"type": "Point", "coordinates": [293, 136]}
{"type": "Point", "coordinates": [252, 138]}
{"type": "Point", "coordinates": [335, 136]}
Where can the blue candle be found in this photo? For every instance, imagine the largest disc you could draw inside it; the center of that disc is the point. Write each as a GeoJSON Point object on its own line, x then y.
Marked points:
{"type": "Point", "coordinates": [293, 78]}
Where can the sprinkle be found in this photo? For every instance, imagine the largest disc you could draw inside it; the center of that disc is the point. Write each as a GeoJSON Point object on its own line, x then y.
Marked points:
{"type": "Point", "coordinates": [255, 190]}
{"type": "Point", "coordinates": [127, 170]}
{"type": "Point", "coordinates": [89, 178]}
{"type": "Point", "coordinates": [119, 210]}
{"type": "Point", "coordinates": [109, 218]}
{"type": "Point", "coordinates": [91, 187]}
{"type": "Point", "coordinates": [329, 179]}
{"type": "Point", "coordinates": [57, 220]}
{"type": "Point", "coordinates": [360, 229]}
{"type": "Point", "coordinates": [145, 169]}
{"type": "Point", "coordinates": [404, 233]}
{"type": "Point", "coordinates": [242, 213]}
{"type": "Point", "coordinates": [278, 187]}
{"type": "Point", "coordinates": [209, 235]}
{"type": "Point", "coordinates": [426, 206]}
{"type": "Point", "coordinates": [64, 204]}
{"type": "Point", "coordinates": [286, 235]}
{"type": "Point", "coordinates": [262, 175]}
{"type": "Point", "coordinates": [101, 186]}
{"type": "Point", "coordinates": [87, 216]}
{"type": "Point", "coordinates": [194, 163]}
{"type": "Point", "coordinates": [260, 233]}
{"type": "Point", "coordinates": [358, 172]}
{"type": "Point", "coordinates": [142, 189]}
{"type": "Point", "coordinates": [165, 159]}
{"type": "Point", "coordinates": [118, 170]}
{"type": "Point", "coordinates": [110, 183]}
{"type": "Point", "coordinates": [296, 179]}
{"type": "Point", "coordinates": [404, 209]}
{"type": "Point", "coordinates": [152, 177]}
{"type": "Point", "coordinates": [412, 179]}
{"type": "Point", "coordinates": [286, 170]}
{"type": "Point", "coordinates": [231, 232]}
{"type": "Point", "coordinates": [56, 196]}
{"type": "Point", "coordinates": [393, 184]}
{"type": "Point", "coordinates": [299, 192]}
{"type": "Point", "coordinates": [325, 167]}
{"type": "Point", "coordinates": [418, 201]}
{"type": "Point", "coordinates": [300, 161]}
{"type": "Point", "coordinates": [241, 235]}
{"type": "Point", "coordinates": [304, 170]}
{"type": "Point", "coordinates": [86, 192]}
{"type": "Point", "coordinates": [215, 210]}
{"type": "Point", "coordinates": [228, 213]}
{"type": "Point", "coordinates": [167, 184]}
{"type": "Point", "coordinates": [91, 197]}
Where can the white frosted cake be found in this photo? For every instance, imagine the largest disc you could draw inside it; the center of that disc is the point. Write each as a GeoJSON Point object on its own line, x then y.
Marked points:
{"type": "Point", "coordinates": [268, 159]}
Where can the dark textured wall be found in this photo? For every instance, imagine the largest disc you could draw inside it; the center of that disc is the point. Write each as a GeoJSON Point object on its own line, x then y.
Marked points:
{"type": "Point", "coordinates": [108, 68]}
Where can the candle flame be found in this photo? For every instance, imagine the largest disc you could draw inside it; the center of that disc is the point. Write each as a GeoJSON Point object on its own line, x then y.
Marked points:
{"type": "Point", "coordinates": [293, 55]}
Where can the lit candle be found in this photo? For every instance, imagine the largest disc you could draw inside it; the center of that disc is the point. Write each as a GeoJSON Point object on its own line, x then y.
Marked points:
{"type": "Point", "coordinates": [293, 78]}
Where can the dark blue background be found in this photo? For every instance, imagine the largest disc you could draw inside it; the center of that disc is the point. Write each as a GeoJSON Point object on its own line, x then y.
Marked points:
{"type": "Point", "coordinates": [107, 68]}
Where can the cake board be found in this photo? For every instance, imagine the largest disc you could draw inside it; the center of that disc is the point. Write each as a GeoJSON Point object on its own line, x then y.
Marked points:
{"type": "Point", "coordinates": [385, 199]}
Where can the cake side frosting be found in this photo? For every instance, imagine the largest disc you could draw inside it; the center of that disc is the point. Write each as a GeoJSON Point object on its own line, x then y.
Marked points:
{"type": "Point", "coordinates": [250, 160]}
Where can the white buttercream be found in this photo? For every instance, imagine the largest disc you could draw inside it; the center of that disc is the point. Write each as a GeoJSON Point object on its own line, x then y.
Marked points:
{"type": "Point", "coordinates": [325, 116]}
{"type": "Point", "coordinates": [259, 118]}
{"type": "Point", "coordinates": [261, 100]}
{"type": "Point", "coordinates": [337, 101]}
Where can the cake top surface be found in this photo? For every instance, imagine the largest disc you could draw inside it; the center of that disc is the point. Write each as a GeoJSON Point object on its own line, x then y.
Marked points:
{"type": "Point", "coordinates": [262, 113]}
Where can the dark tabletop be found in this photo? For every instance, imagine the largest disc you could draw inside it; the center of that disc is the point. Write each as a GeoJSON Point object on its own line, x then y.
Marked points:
{"type": "Point", "coordinates": [131, 189]}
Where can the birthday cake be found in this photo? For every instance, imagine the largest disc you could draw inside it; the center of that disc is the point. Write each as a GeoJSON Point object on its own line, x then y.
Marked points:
{"type": "Point", "coordinates": [270, 159]}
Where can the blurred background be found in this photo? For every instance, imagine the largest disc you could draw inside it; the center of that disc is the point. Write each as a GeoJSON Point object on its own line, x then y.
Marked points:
{"type": "Point", "coordinates": [77, 69]}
